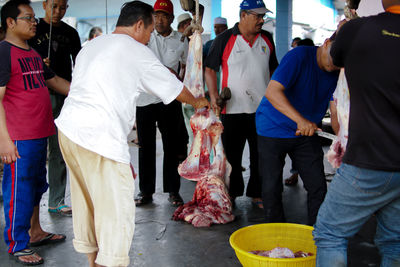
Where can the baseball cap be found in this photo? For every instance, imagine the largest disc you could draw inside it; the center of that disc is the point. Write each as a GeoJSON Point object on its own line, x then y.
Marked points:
{"type": "Point", "coordinates": [164, 6]}
{"type": "Point", "coordinates": [183, 17]}
{"type": "Point", "coordinates": [256, 6]}
{"type": "Point", "coordinates": [220, 20]}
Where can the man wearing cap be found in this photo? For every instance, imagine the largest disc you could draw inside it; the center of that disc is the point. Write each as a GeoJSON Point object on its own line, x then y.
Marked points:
{"type": "Point", "coordinates": [220, 25]}
{"type": "Point", "coordinates": [184, 21]}
{"type": "Point", "coordinates": [246, 56]}
{"type": "Point", "coordinates": [166, 44]}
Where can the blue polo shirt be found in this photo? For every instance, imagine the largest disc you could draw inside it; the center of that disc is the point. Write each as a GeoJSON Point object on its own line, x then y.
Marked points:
{"type": "Point", "coordinates": [308, 88]}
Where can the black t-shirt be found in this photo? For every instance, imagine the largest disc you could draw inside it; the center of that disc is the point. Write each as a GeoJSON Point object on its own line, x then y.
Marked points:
{"type": "Point", "coordinates": [369, 50]}
{"type": "Point", "coordinates": [65, 46]}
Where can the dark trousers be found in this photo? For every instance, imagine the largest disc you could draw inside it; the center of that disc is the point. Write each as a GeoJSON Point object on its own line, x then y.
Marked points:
{"type": "Point", "coordinates": [57, 167]}
{"type": "Point", "coordinates": [237, 129]}
{"type": "Point", "coordinates": [307, 153]}
{"type": "Point", "coordinates": [168, 118]}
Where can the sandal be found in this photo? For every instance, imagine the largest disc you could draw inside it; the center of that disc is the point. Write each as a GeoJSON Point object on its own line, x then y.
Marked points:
{"type": "Point", "coordinates": [143, 199]}
{"type": "Point", "coordinates": [62, 210]}
{"type": "Point", "coordinates": [26, 252]}
{"type": "Point", "coordinates": [257, 202]}
{"type": "Point", "coordinates": [175, 199]}
{"type": "Point", "coordinates": [48, 239]}
{"type": "Point", "coordinates": [292, 180]}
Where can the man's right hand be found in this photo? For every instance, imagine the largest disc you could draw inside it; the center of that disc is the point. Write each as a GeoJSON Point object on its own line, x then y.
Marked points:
{"type": "Point", "coordinates": [8, 152]}
{"type": "Point", "coordinates": [201, 102]}
{"type": "Point", "coordinates": [306, 128]}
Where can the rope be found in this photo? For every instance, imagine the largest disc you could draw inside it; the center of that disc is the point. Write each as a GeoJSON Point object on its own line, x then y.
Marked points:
{"type": "Point", "coordinates": [51, 28]}
{"type": "Point", "coordinates": [106, 18]}
{"type": "Point", "coordinates": [197, 13]}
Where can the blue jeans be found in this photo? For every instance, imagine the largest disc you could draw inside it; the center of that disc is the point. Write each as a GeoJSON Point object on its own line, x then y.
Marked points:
{"type": "Point", "coordinates": [354, 195]}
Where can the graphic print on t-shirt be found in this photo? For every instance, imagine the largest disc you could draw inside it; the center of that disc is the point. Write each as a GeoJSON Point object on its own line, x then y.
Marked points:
{"type": "Point", "coordinates": [32, 73]}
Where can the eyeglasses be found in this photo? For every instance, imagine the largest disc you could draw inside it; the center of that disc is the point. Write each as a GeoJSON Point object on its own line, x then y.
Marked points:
{"type": "Point", "coordinates": [259, 16]}
{"type": "Point", "coordinates": [30, 18]}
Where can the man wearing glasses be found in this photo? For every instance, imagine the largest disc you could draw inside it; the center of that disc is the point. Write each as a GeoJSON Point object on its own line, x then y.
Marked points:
{"type": "Point", "coordinates": [65, 45]}
{"type": "Point", "coordinates": [246, 55]}
{"type": "Point", "coordinates": [25, 123]}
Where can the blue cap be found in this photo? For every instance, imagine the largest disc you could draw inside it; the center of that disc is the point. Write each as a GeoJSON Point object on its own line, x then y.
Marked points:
{"type": "Point", "coordinates": [256, 6]}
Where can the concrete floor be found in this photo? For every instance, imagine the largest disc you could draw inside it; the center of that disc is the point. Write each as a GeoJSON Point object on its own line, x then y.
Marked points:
{"type": "Point", "coordinates": [161, 242]}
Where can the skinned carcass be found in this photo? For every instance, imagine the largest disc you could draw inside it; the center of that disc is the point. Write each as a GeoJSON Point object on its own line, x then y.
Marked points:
{"type": "Point", "coordinates": [211, 203]}
{"type": "Point", "coordinates": [342, 101]}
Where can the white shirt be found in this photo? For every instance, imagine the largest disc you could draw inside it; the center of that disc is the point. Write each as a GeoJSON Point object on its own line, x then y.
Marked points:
{"type": "Point", "coordinates": [170, 51]}
{"type": "Point", "coordinates": [109, 74]}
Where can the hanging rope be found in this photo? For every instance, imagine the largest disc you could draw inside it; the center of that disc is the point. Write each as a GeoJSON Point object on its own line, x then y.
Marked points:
{"type": "Point", "coordinates": [106, 18]}
{"type": "Point", "coordinates": [51, 29]}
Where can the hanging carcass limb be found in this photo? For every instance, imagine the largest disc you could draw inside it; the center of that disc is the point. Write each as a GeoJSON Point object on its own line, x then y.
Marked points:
{"type": "Point", "coordinates": [197, 11]}
{"type": "Point", "coordinates": [350, 9]}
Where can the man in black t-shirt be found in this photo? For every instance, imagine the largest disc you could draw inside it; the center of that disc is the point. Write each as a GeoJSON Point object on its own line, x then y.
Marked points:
{"type": "Point", "coordinates": [65, 45]}
{"type": "Point", "coordinates": [368, 181]}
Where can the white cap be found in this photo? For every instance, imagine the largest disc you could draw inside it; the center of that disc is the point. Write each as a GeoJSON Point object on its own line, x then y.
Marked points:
{"type": "Point", "coordinates": [183, 17]}
{"type": "Point", "coordinates": [220, 20]}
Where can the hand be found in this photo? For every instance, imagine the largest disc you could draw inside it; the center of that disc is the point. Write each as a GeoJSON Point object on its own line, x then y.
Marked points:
{"type": "Point", "coordinates": [8, 152]}
{"type": "Point", "coordinates": [47, 61]}
{"type": "Point", "coordinates": [215, 107]}
{"type": "Point", "coordinates": [201, 102]}
{"type": "Point", "coordinates": [306, 128]}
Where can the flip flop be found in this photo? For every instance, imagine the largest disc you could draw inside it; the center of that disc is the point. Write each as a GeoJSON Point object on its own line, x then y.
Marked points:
{"type": "Point", "coordinates": [175, 199]}
{"type": "Point", "coordinates": [59, 210]}
{"type": "Point", "coordinates": [26, 252]}
{"type": "Point", "coordinates": [47, 240]}
{"type": "Point", "coordinates": [143, 199]}
{"type": "Point", "coordinates": [258, 203]}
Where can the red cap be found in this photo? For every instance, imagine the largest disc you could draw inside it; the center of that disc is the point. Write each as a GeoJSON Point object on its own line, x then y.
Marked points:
{"type": "Point", "coordinates": [165, 6]}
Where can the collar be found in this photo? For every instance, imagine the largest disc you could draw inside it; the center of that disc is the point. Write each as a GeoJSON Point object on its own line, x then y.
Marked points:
{"type": "Point", "coordinates": [393, 9]}
{"type": "Point", "coordinates": [171, 35]}
{"type": "Point", "coordinates": [235, 29]}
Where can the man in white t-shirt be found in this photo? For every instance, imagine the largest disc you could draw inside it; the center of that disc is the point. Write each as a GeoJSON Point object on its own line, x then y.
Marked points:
{"type": "Point", "coordinates": [151, 113]}
{"type": "Point", "coordinates": [94, 124]}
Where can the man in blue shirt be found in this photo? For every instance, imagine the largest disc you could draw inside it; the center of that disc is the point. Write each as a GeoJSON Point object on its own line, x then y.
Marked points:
{"type": "Point", "coordinates": [296, 99]}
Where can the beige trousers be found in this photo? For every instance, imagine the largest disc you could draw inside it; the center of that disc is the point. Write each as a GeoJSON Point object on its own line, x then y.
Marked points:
{"type": "Point", "coordinates": [102, 196]}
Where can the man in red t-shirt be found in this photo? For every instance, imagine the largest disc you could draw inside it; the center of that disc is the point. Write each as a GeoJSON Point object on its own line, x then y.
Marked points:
{"type": "Point", "coordinates": [25, 123]}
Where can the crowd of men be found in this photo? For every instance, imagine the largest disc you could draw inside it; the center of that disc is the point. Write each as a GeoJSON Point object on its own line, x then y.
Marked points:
{"type": "Point", "coordinates": [136, 73]}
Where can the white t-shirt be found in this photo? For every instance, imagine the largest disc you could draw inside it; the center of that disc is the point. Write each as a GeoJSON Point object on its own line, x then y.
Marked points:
{"type": "Point", "coordinates": [110, 72]}
{"type": "Point", "coordinates": [171, 51]}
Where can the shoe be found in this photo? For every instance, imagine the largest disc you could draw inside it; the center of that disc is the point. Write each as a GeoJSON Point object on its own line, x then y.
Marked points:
{"type": "Point", "coordinates": [62, 210]}
{"type": "Point", "coordinates": [175, 199]}
{"type": "Point", "coordinates": [143, 199]}
{"type": "Point", "coordinates": [292, 180]}
{"type": "Point", "coordinates": [48, 239]}
{"type": "Point", "coordinates": [26, 252]}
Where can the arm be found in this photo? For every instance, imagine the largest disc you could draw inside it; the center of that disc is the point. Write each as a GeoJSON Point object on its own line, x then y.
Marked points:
{"type": "Point", "coordinates": [186, 97]}
{"type": "Point", "coordinates": [211, 81]}
{"type": "Point", "coordinates": [59, 85]}
{"type": "Point", "coordinates": [334, 119]}
{"type": "Point", "coordinates": [8, 151]}
{"type": "Point", "coordinates": [275, 95]}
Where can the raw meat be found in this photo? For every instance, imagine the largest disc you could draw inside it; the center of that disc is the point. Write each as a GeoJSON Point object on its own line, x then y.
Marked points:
{"type": "Point", "coordinates": [280, 253]}
{"type": "Point", "coordinates": [342, 101]}
{"type": "Point", "coordinates": [211, 202]}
